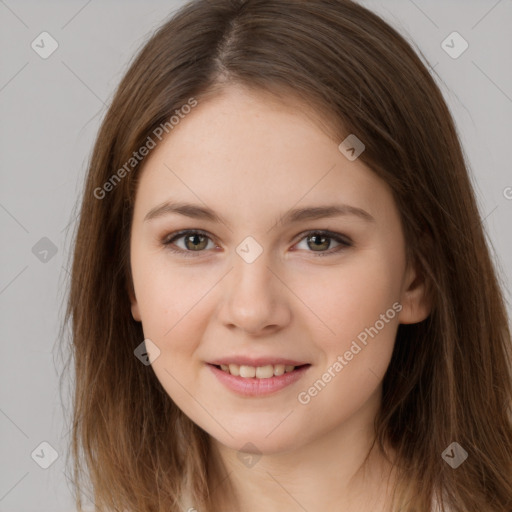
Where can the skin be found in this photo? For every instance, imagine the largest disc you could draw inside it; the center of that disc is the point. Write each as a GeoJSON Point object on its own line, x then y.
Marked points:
{"type": "Point", "coordinates": [250, 158]}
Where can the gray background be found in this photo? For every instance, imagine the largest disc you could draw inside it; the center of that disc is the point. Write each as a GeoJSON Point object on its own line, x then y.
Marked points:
{"type": "Point", "coordinates": [50, 110]}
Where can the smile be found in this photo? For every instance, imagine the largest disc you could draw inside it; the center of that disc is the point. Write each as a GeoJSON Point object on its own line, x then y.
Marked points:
{"type": "Point", "coordinates": [257, 380]}
{"type": "Point", "coordinates": [258, 372]}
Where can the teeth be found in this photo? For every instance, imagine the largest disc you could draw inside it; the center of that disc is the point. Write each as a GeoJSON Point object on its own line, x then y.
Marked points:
{"type": "Point", "coordinates": [234, 369]}
{"type": "Point", "coordinates": [247, 371]}
{"type": "Point", "coordinates": [260, 372]}
{"type": "Point", "coordinates": [264, 372]}
{"type": "Point", "coordinates": [279, 369]}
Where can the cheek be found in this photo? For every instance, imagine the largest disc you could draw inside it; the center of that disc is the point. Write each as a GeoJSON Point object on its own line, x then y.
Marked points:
{"type": "Point", "coordinates": [165, 293]}
{"type": "Point", "coordinates": [353, 297]}
{"type": "Point", "coordinates": [362, 310]}
{"type": "Point", "coordinates": [172, 317]}
{"type": "Point", "coordinates": [356, 303]}
{"type": "Point", "coordinates": [361, 307]}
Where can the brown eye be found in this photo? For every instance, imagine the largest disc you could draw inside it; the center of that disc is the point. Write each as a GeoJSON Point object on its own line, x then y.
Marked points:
{"type": "Point", "coordinates": [320, 241]}
{"type": "Point", "coordinates": [193, 241]}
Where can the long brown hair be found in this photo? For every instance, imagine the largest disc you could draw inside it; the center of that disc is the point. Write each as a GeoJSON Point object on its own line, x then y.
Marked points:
{"type": "Point", "coordinates": [449, 379]}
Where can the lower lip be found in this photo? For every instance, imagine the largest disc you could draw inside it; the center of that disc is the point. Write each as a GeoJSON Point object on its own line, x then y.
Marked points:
{"type": "Point", "coordinates": [258, 387]}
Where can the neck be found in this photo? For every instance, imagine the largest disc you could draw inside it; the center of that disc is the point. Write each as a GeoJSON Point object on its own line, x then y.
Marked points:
{"type": "Point", "coordinates": [328, 473]}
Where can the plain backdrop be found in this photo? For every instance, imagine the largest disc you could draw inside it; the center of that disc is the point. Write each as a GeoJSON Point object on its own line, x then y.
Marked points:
{"type": "Point", "coordinates": [50, 111]}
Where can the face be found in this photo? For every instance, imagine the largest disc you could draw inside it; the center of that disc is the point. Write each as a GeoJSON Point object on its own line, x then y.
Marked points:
{"type": "Point", "coordinates": [252, 284]}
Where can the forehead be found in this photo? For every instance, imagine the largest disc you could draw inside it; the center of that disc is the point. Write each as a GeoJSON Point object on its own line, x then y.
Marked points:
{"type": "Point", "coordinates": [244, 151]}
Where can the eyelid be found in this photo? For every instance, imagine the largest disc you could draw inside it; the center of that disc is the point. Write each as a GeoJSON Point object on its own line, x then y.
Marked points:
{"type": "Point", "coordinates": [169, 239]}
{"type": "Point", "coordinates": [340, 237]}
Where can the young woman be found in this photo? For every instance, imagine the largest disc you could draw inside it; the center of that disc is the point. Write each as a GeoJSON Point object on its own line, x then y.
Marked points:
{"type": "Point", "coordinates": [282, 298]}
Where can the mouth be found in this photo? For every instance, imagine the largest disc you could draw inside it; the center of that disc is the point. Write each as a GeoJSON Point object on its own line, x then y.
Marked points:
{"type": "Point", "coordinates": [258, 372]}
{"type": "Point", "coordinates": [257, 381]}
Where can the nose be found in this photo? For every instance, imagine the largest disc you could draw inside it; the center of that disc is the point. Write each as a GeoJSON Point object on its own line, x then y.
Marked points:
{"type": "Point", "coordinates": [254, 298]}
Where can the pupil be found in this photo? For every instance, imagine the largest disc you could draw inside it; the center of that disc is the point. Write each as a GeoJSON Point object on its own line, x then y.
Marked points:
{"type": "Point", "coordinates": [193, 240]}
{"type": "Point", "coordinates": [317, 238]}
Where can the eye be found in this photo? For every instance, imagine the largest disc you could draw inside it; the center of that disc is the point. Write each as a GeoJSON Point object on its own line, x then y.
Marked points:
{"type": "Point", "coordinates": [322, 239]}
{"type": "Point", "coordinates": [196, 241]}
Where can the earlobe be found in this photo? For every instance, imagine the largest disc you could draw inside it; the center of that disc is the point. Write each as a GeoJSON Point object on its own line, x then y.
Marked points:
{"type": "Point", "coordinates": [134, 306]}
{"type": "Point", "coordinates": [415, 300]}
{"type": "Point", "coordinates": [135, 311]}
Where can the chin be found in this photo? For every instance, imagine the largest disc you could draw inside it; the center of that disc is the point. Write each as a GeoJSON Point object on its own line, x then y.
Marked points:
{"type": "Point", "coordinates": [258, 441]}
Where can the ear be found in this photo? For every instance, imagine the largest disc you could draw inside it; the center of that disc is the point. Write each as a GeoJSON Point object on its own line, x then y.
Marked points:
{"type": "Point", "coordinates": [134, 305]}
{"type": "Point", "coordinates": [416, 302]}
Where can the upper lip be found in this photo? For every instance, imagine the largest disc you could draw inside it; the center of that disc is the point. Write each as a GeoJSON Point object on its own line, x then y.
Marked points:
{"type": "Point", "coordinates": [256, 361]}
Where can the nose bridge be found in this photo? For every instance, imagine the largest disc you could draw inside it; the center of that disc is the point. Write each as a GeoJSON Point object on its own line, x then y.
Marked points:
{"type": "Point", "coordinates": [253, 297]}
{"type": "Point", "coordinates": [252, 282]}
{"type": "Point", "coordinates": [253, 275]}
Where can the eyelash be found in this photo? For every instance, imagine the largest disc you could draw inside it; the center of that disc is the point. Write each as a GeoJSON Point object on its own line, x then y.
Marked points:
{"type": "Point", "coordinates": [343, 241]}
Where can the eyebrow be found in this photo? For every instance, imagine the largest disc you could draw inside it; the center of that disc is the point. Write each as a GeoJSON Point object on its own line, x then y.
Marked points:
{"type": "Point", "coordinates": [292, 216]}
